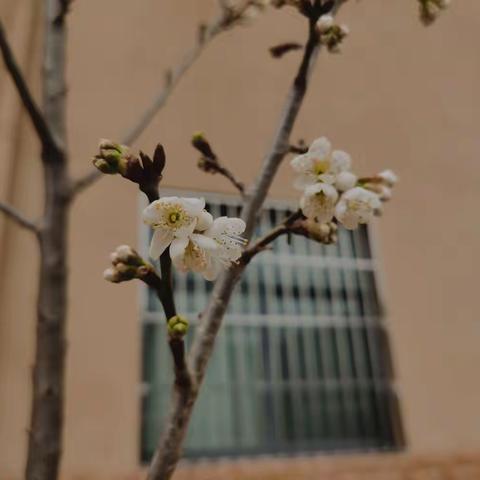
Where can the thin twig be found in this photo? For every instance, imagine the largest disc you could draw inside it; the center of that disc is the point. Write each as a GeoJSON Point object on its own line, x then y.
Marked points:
{"type": "Point", "coordinates": [215, 167]}
{"type": "Point", "coordinates": [222, 23]}
{"type": "Point", "coordinates": [18, 217]}
{"type": "Point", "coordinates": [287, 226]}
{"type": "Point", "coordinates": [44, 132]}
{"type": "Point", "coordinates": [162, 287]}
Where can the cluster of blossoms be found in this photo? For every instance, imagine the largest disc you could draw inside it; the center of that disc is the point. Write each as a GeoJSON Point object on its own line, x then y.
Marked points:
{"type": "Point", "coordinates": [331, 190]}
{"type": "Point", "coordinates": [331, 34]}
{"type": "Point", "coordinates": [430, 9]}
{"type": "Point", "coordinates": [126, 265]}
{"type": "Point", "coordinates": [195, 240]}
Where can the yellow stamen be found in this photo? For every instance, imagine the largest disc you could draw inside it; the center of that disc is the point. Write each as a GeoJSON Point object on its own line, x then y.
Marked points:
{"type": "Point", "coordinates": [321, 166]}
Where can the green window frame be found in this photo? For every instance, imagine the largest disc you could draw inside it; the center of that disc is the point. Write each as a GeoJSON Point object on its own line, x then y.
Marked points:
{"type": "Point", "coordinates": [302, 362]}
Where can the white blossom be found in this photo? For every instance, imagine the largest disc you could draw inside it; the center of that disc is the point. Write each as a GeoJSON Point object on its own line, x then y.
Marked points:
{"type": "Point", "coordinates": [170, 218]}
{"type": "Point", "coordinates": [111, 275]}
{"type": "Point", "coordinates": [430, 9]}
{"type": "Point", "coordinates": [356, 206]}
{"type": "Point", "coordinates": [319, 164]}
{"type": "Point", "coordinates": [192, 253]}
{"type": "Point", "coordinates": [385, 193]}
{"type": "Point", "coordinates": [226, 232]}
{"type": "Point", "coordinates": [345, 181]}
{"type": "Point", "coordinates": [388, 177]}
{"type": "Point", "coordinates": [325, 23]}
{"type": "Point", "coordinates": [318, 202]}
{"type": "Point", "coordinates": [212, 251]}
{"type": "Point", "coordinates": [204, 221]}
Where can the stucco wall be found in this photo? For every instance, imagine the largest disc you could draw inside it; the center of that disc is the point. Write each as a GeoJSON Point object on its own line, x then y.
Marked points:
{"type": "Point", "coordinates": [399, 95]}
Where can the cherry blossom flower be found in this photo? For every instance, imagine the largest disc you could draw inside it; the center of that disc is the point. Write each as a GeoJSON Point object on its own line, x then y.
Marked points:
{"type": "Point", "coordinates": [212, 251]}
{"type": "Point", "coordinates": [388, 177]}
{"type": "Point", "coordinates": [357, 206]}
{"type": "Point", "coordinates": [226, 232]}
{"type": "Point", "coordinates": [173, 217]}
{"type": "Point", "coordinates": [345, 181]}
{"type": "Point", "coordinates": [319, 164]}
{"type": "Point", "coordinates": [192, 253]}
{"type": "Point", "coordinates": [318, 202]}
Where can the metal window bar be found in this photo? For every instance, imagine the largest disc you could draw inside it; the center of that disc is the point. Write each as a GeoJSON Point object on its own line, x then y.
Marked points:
{"type": "Point", "coordinates": [301, 363]}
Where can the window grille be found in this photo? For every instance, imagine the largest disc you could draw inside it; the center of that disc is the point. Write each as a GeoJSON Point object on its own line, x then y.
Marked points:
{"type": "Point", "coordinates": [301, 362]}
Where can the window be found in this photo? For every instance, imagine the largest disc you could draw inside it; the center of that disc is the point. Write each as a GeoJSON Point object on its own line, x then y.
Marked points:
{"type": "Point", "coordinates": [301, 363]}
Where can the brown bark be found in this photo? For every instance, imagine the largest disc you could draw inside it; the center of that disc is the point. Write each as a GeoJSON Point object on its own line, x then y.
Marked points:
{"type": "Point", "coordinates": [46, 423]}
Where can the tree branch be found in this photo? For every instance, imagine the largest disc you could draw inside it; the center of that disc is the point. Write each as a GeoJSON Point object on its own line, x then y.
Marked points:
{"type": "Point", "coordinates": [227, 18]}
{"type": "Point", "coordinates": [45, 134]}
{"type": "Point", "coordinates": [169, 448]}
{"type": "Point", "coordinates": [212, 166]}
{"type": "Point", "coordinates": [48, 399]}
{"type": "Point", "coordinates": [209, 162]}
{"type": "Point", "coordinates": [288, 226]}
{"type": "Point", "coordinates": [18, 218]}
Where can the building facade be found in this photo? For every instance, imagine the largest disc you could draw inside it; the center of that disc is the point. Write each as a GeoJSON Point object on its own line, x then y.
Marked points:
{"type": "Point", "coordinates": [392, 311]}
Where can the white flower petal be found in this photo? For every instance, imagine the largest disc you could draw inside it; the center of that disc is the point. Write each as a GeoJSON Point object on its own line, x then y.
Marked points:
{"type": "Point", "coordinates": [357, 206]}
{"type": "Point", "coordinates": [327, 178]}
{"type": "Point", "coordinates": [320, 147]}
{"type": "Point", "coordinates": [325, 23]}
{"type": "Point", "coordinates": [389, 177]}
{"type": "Point", "coordinates": [150, 214]}
{"type": "Point", "coordinates": [302, 163]}
{"type": "Point", "coordinates": [204, 221]}
{"type": "Point", "coordinates": [161, 239]}
{"type": "Point", "coordinates": [213, 270]}
{"type": "Point", "coordinates": [204, 242]}
{"type": "Point", "coordinates": [318, 202]}
{"type": "Point", "coordinates": [226, 232]}
{"type": "Point", "coordinates": [177, 247]}
{"type": "Point", "coordinates": [301, 182]}
{"type": "Point", "coordinates": [193, 206]}
{"type": "Point", "coordinates": [341, 161]}
{"type": "Point", "coordinates": [186, 231]}
{"type": "Point", "coordinates": [345, 181]}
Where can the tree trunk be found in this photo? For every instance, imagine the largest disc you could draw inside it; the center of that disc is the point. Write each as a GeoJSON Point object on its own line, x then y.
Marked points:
{"type": "Point", "coordinates": [45, 441]}
{"type": "Point", "coordinates": [46, 423]}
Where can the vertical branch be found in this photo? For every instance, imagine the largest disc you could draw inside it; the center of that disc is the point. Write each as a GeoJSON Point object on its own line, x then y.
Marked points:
{"type": "Point", "coordinates": [46, 423]}
{"type": "Point", "coordinates": [169, 449]}
{"type": "Point", "coordinates": [281, 139]}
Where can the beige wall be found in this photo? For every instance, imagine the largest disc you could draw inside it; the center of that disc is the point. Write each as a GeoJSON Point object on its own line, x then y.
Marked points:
{"type": "Point", "coordinates": [399, 96]}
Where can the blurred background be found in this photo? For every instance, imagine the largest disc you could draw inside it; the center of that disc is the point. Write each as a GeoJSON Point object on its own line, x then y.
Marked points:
{"type": "Point", "coordinates": [368, 348]}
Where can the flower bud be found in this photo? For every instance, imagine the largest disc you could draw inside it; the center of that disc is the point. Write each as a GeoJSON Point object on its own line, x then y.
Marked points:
{"type": "Point", "coordinates": [125, 252]}
{"type": "Point", "coordinates": [111, 275]}
{"type": "Point", "coordinates": [320, 232]}
{"type": "Point", "coordinates": [114, 258]}
{"type": "Point", "coordinates": [385, 193]}
{"type": "Point", "coordinates": [430, 9]}
{"type": "Point", "coordinates": [388, 177]}
{"type": "Point", "coordinates": [112, 157]}
{"type": "Point", "coordinates": [332, 35]}
{"type": "Point", "coordinates": [127, 265]}
{"type": "Point", "coordinates": [177, 326]}
{"type": "Point", "coordinates": [345, 180]}
{"type": "Point", "coordinates": [325, 23]}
